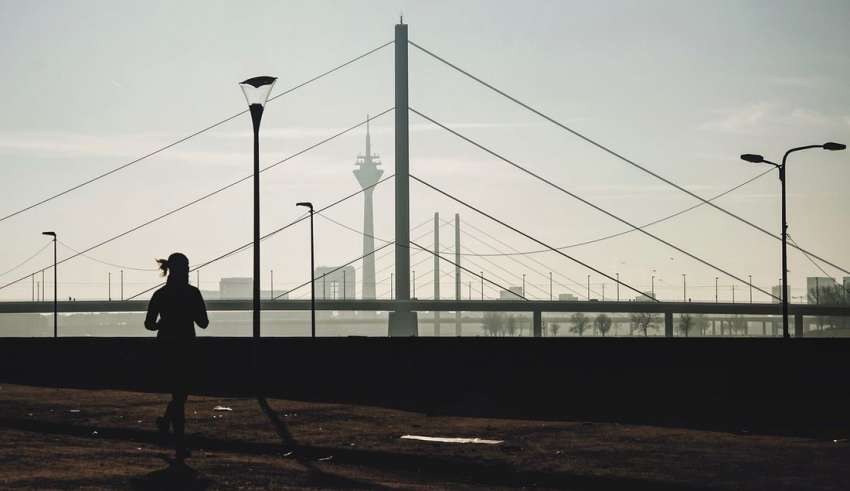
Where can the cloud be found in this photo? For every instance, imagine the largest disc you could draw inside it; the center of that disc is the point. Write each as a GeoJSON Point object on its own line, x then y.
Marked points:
{"type": "Point", "coordinates": [763, 117]}
{"type": "Point", "coordinates": [747, 119]}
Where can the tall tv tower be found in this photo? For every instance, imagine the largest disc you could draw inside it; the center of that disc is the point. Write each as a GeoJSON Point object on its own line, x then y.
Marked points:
{"type": "Point", "coordinates": [368, 174]}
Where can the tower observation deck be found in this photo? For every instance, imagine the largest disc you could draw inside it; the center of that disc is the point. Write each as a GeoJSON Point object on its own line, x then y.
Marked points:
{"type": "Point", "coordinates": [368, 174]}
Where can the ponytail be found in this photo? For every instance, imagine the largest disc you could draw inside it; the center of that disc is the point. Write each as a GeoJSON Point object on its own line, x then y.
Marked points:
{"type": "Point", "coordinates": [163, 266]}
{"type": "Point", "coordinates": [176, 264]}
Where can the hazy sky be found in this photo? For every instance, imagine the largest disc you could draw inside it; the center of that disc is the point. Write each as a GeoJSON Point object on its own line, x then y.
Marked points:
{"type": "Point", "coordinates": [681, 87]}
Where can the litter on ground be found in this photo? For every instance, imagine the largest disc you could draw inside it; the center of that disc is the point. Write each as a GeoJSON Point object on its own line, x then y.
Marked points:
{"type": "Point", "coordinates": [441, 439]}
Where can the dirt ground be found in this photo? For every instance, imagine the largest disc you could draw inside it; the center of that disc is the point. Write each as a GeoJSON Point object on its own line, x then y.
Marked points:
{"type": "Point", "coordinates": [84, 439]}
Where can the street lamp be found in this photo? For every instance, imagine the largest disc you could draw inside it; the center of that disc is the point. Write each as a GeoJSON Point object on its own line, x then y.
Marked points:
{"type": "Point", "coordinates": [684, 288]}
{"type": "Point", "coordinates": [309, 206]}
{"type": "Point", "coordinates": [256, 92]}
{"type": "Point", "coordinates": [715, 289]}
{"type": "Point", "coordinates": [55, 289]}
{"type": "Point", "coordinates": [757, 159]}
{"type": "Point", "coordinates": [751, 287]}
{"type": "Point", "coordinates": [652, 285]}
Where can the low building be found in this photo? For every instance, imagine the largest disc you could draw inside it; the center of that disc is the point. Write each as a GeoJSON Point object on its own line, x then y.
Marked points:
{"type": "Point", "coordinates": [567, 297]}
{"type": "Point", "coordinates": [776, 291]}
{"type": "Point", "coordinates": [512, 293]}
{"type": "Point", "coordinates": [239, 288]}
{"type": "Point", "coordinates": [236, 288]}
{"type": "Point", "coordinates": [645, 297]}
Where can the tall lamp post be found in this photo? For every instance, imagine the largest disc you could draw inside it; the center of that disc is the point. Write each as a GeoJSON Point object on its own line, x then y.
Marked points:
{"type": "Point", "coordinates": [256, 92]}
{"type": "Point", "coordinates": [652, 285]}
{"type": "Point", "coordinates": [749, 157]}
{"type": "Point", "coordinates": [715, 289]}
{"type": "Point", "coordinates": [55, 288]}
{"type": "Point", "coordinates": [309, 205]}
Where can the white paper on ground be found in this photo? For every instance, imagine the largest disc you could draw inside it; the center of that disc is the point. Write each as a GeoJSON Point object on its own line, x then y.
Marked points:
{"type": "Point", "coordinates": [222, 408]}
{"type": "Point", "coordinates": [441, 439]}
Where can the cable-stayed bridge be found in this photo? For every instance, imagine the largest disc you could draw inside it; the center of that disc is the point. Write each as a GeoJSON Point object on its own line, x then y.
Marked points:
{"type": "Point", "coordinates": [409, 248]}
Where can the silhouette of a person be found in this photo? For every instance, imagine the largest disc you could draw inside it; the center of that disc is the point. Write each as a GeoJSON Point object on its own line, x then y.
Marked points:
{"type": "Point", "coordinates": [172, 312]}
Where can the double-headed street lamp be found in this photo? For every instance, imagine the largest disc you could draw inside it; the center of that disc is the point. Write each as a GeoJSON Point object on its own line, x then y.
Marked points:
{"type": "Point", "coordinates": [55, 287]}
{"type": "Point", "coordinates": [312, 271]}
{"type": "Point", "coordinates": [257, 92]}
{"type": "Point", "coordinates": [759, 159]}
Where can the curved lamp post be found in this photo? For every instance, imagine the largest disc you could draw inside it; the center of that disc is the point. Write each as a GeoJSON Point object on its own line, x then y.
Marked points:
{"type": "Point", "coordinates": [55, 288]}
{"type": "Point", "coordinates": [312, 272]}
{"type": "Point", "coordinates": [758, 159]}
{"type": "Point", "coordinates": [256, 92]}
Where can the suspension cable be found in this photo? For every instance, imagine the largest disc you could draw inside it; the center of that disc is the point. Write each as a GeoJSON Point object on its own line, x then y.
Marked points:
{"type": "Point", "coordinates": [839, 285]}
{"type": "Point", "coordinates": [506, 225]}
{"type": "Point", "coordinates": [45, 246]}
{"type": "Point", "coordinates": [302, 285]}
{"type": "Point", "coordinates": [190, 136]}
{"type": "Point", "coordinates": [92, 258]}
{"type": "Point", "coordinates": [617, 155]}
{"type": "Point", "coordinates": [467, 224]}
{"type": "Point", "coordinates": [273, 232]}
{"type": "Point", "coordinates": [588, 203]}
{"type": "Point", "coordinates": [488, 280]}
{"type": "Point", "coordinates": [630, 230]}
{"type": "Point", "coordinates": [201, 198]}
{"type": "Point", "coordinates": [443, 224]}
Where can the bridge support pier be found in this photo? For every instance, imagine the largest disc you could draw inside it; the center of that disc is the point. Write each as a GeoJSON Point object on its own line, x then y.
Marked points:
{"type": "Point", "coordinates": [798, 325]}
{"type": "Point", "coordinates": [403, 321]}
{"type": "Point", "coordinates": [537, 323]}
{"type": "Point", "coordinates": [668, 324]}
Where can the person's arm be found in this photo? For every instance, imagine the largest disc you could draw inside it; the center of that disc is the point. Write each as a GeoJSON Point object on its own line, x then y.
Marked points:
{"type": "Point", "coordinates": [201, 315]}
{"type": "Point", "coordinates": [151, 323]}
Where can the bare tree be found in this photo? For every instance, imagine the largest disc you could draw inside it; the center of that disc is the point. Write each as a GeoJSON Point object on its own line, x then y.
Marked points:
{"type": "Point", "coordinates": [493, 323]}
{"type": "Point", "coordinates": [700, 323]}
{"type": "Point", "coordinates": [554, 327]}
{"type": "Point", "coordinates": [580, 322]}
{"type": "Point", "coordinates": [511, 326]}
{"type": "Point", "coordinates": [644, 321]}
{"type": "Point", "coordinates": [834, 295]}
{"type": "Point", "coordinates": [603, 324]}
{"type": "Point", "coordinates": [686, 323]}
{"type": "Point", "coordinates": [741, 324]}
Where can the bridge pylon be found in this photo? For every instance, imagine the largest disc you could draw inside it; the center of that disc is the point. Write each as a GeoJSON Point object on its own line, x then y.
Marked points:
{"type": "Point", "coordinates": [402, 321]}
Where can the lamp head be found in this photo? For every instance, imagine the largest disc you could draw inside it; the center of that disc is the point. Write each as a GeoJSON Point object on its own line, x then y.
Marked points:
{"type": "Point", "coordinates": [305, 203]}
{"type": "Point", "coordinates": [52, 234]}
{"type": "Point", "coordinates": [834, 146]}
{"type": "Point", "coordinates": [257, 89]}
{"type": "Point", "coordinates": [751, 157]}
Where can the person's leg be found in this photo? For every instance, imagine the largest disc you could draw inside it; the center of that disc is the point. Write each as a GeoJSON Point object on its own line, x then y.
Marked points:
{"type": "Point", "coordinates": [178, 420]}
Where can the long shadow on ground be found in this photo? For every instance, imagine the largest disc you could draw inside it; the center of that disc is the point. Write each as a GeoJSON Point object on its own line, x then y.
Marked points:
{"type": "Point", "coordinates": [173, 477]}
{"type": "Point", "coordinates": [414, 467]}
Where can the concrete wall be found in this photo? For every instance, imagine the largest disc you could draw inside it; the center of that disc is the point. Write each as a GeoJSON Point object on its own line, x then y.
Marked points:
{"type": "Point", "coordinates": [741, 382]}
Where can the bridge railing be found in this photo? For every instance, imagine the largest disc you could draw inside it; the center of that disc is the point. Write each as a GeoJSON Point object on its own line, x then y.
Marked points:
{"type": "Point", "coordinates": [442, 318]}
